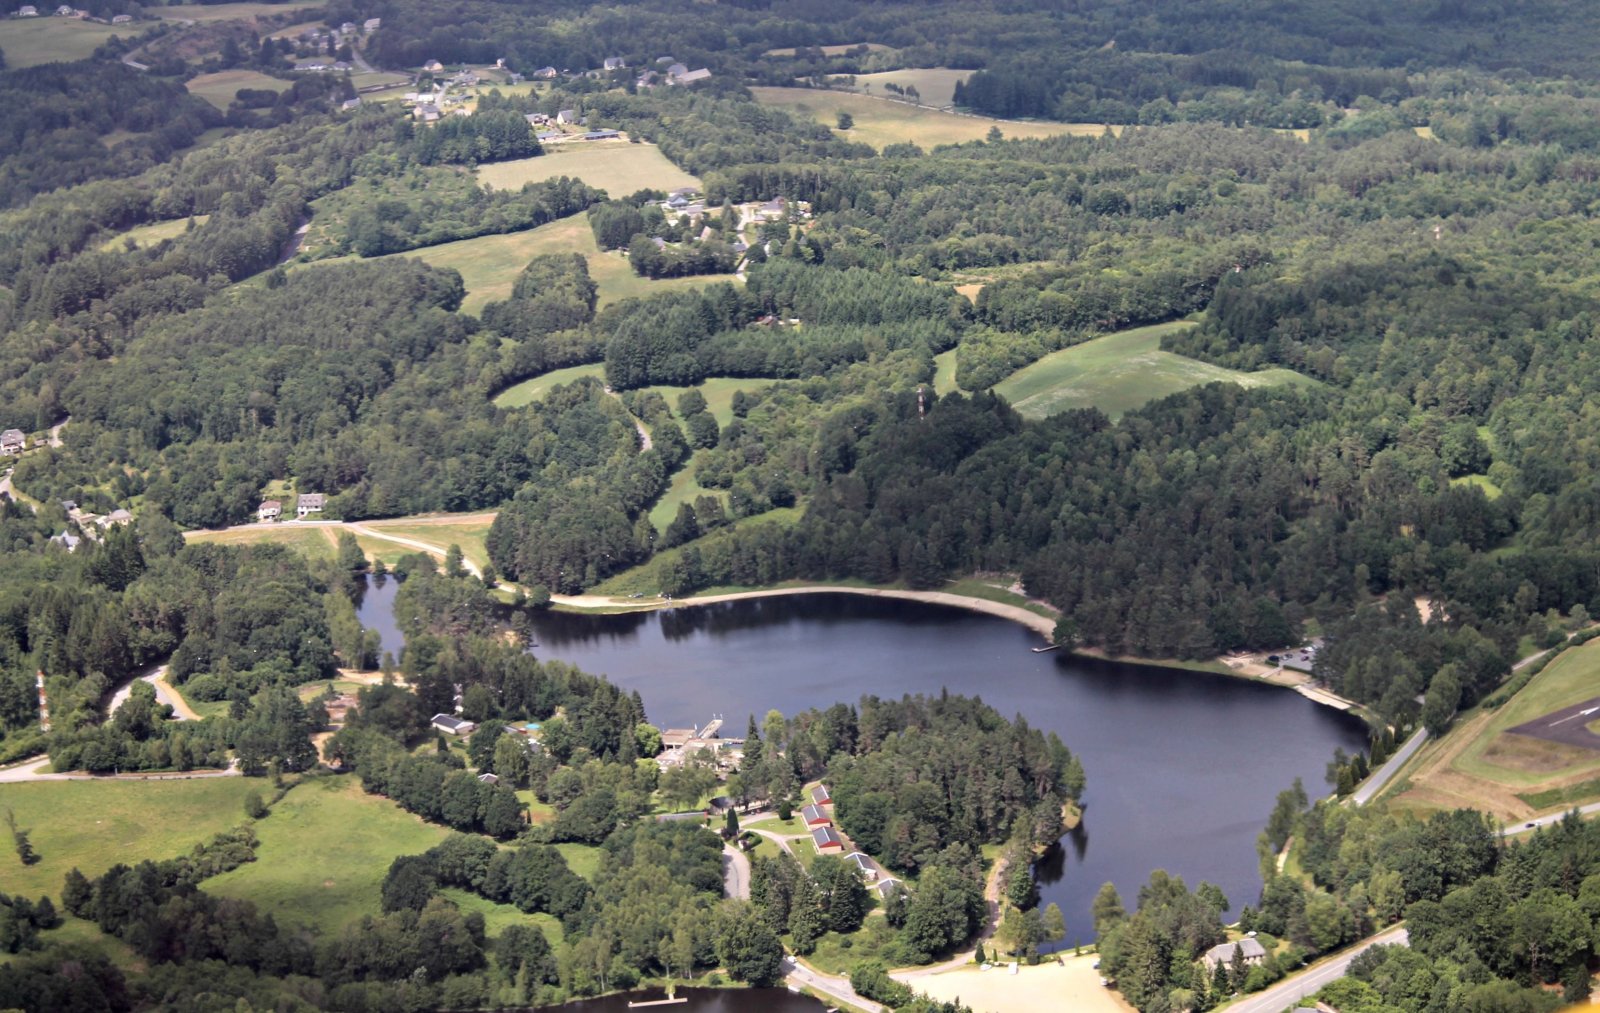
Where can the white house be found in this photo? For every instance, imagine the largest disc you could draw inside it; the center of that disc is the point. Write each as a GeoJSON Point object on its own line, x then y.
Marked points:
{"type": "Point", "coordinates": [1248, 948]}
{"type": "Point", "coordinates": [269, 510]}
{"type": "Point", "coordinates": [309, 503]}
{"type": "Point", "coordinates": [567, 117]}
{"type": "Point", "coordinates": [371, 25]}
{"type": "Point", "coordinates": [452, 724]}
{"type": "Point", "coordinates": [67, 540]}
{"type": "Point", "coordinates": [433, 66]}
{"type": "Point", "coordinates": [616, 63]}
{"type": "Point", "coordinates": [12, 441]}
{"type": "Point", "coordinates": [27, 11]}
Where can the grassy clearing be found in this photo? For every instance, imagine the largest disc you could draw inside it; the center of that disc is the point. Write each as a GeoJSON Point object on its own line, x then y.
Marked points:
{"type": "Point", "coordinates": [324, 852]}
{"type": "Point", "coordinates": [936, 86]}
{"type": "Point", "coordinates": [92, 825]}
{"type": "Point", "coordinates": [718, 392]}
{"type": "Point", "coordinates": [880, 122]}
{"type": "Point", "coordinates": [219, 88]}
{"type": "Point", "coordinates": [973, 587]}
{"type": "Point", "coordinates": [29, 42]}
{"type": "Point", "coordinates": [683, 489]}
{"type": "Point", "coordinates": [584, 859]}
{"type": "Point", "coordinates": [531, 390]}
{"type": "Point", "coordinates": [1490, 490]}
{"type": "Point", "coordinates": [228, 12]}
{"type": "Point", "coordinates": [837, 954]}
{"type": "Point", "coordinates": [1118, 373]}
{"type": "Point", "coordinates": [470, 535]}
{"type": "Point", "coordinates": [499, 917]}
{"type": "Point", "coordinates": [617, 167]}
{"type": "Point", "coordinates": [149, 235]}
{"type": "Point", "coordinates": [876, 47]}
{"type": "Point", "coordinates": [314, 542]}
{"type": "Point", "coordinates": [643, 579]}
{"type": "Point", "coordinates": [944, 372]}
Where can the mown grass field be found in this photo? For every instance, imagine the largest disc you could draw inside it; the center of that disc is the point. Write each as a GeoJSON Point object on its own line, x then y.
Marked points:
{"type": "Point", "coordinates": [617, 167]}
{"type": "Point", "coordinates": [876, 47]}
{"type": "Point", "coordinates": [489, 265]}
{"type": "Point", "coordinates": [1118, 373]}
{"type": "Point", "coordinates": [443, 532]}
{"type": "Point", "coordinates": [531, 390]}
{"type": "Point", "coordinates": [324, 852]}
{"type": "Point", "coordinates": [683, 489]}
{"type": "Point", "coordinates": [498, 917]}
{"type": "Point", "coordinates": [1490, 490]}
{"type": "Point", "coordinates": [155, 232]}
{"type": "Point", "coordinates": [936, 86]}
{"type": "Point", "coordinates": [880, 122]}
{"type": "Point", "coordinates": [91, 825]}
{"type": "Point", "coordinates": [29, 42]}
{"type": "Point", "coordinates": [228, 12]}
{"type": "Point", "coordinates": [219, 88]}
{"type": "Point", "coordinates": [944, 372]}
{"type": "Point", "coordinates": [318, 542]}
{"type": "Point", "coordinates": [718, 392]}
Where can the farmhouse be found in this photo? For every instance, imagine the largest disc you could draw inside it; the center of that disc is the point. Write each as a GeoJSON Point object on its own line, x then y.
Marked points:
{"type": "Point", "coordinates": [64, 11]}
{"type": "Point", "coordinates": [452, 724]}
{"type": "Point", "coordinates": [567, 117]}
{"type": "Point", "coordinates": [815, 817]}
{"type": "Point", "coordinates": [269, 510]}
{"type": "Point", "coordinates": [616, 63]}
{"type": "Point", "coordinates": [122, 19]}
{"type": "Point", "coordinates": [828, 842]}
{"type": "Point", "coordinates": [545, 73]}
{"type": "Point", "coordinates": [691, 77]}
{"type": "Point", "coordinates": [67, 540]}
{"type": "Point", "coordinates": [309, 503]}
{"type": "Point", "coordinates": [12, 442]}
{"type": "Point", "coordinates": [27, 11]}
{"type": "Point", "coordinates": [118, 517]}
{"type": "Point", "coordinates": [1222, 953]}
{"type": "Point", "coordinates": [433, 66]}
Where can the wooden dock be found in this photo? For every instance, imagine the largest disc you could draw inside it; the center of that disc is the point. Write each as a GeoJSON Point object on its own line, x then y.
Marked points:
{"type": "Point", "coordinates": [1045, 650]}
{"type": "Point", "coordinates": [657, 1002]}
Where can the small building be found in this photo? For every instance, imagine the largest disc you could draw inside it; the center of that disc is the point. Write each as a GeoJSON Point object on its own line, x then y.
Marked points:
{"type": "Point", "coordinates": [12, 441]}
{"type": "Point", "coordinates": [67, 540]}
{"type": "Point", "coordinates": [269, 510]}
{"type": "Point", "coordinates": [1251, 950]}
{"type": "Point", "coordinates": [547, 136]}
{"type": "Point", "coordinates": [309, 503]}
{"type": "Point", "coordinates": [567, 117]}
{"type": "Point", "coordinates": [27, 11]}
{"type": "Point", "coordinates": [616, 63]}
{"type": "Point", "coordinates": [488, 779]}
{"type": "Point", "coordinates": [887, 885]}
{"type": "Point", "coordinates": [674, 738]}
{"type": "Point", "coordinates": [815, 817]}
{"type": "Point", "coordinates": [118, 517]}
{"type": "Point", "coordinates": [677, 70]}
{"type": "Point", "coordinates": [452, 724]}
{"type": "Point", "coordinates": [545, 73]}
{"type": "Point", "coordinates": [820, 796]}
{"type": "Point", "coordinates": [869, 872]}
{"type": "Point", "coordinates": [433, 66]}
{"type": "Point", "coordinates": [342, 65]}
{"type": "Point", "coordinates": [121, 19]}
{"type": "Point", "coordinates": [692, 76]}
{"type": "Point", "coordinates": [602, 135]}
{"type": "Point", "coordinates": [827, 840]}
{"type": "Point", "coordinates": [371, 25]}
{"type": "Point", "coordinates": [351, 104]}
{"type": "Point", "coordinates": [427, 112]}
{"type": "Point", "coordinates": [64, 11]}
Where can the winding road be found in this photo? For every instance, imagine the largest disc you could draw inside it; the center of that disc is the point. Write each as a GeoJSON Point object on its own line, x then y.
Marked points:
{"type": "Point", "coordinates": [1296, 987]}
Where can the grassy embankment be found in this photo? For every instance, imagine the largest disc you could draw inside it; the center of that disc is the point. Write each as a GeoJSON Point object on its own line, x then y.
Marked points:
{"type": "Point", "coordinates": [220, 88]}
{"type": "Point", "coordinates": [1480, 763]}
{"type": "Point", "coordinates": [1119, 372]}
{"type": "Point", "coordinates": [881, 122]}
{"type": "Point", "coordinates": [29, 42]}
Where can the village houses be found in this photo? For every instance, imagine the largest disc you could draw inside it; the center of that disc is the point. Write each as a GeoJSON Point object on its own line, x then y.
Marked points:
{"type": "Point", "coordinates": [12, 442]}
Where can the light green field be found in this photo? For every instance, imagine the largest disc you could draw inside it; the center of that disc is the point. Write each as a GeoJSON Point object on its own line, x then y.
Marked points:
{"type": "Point", "coordinates": [876, 47]}
{"type": "Point", "coordinates": [683, 489]}
{"type": "Point", "coordinates": [149, 235]}
{"type": "Point", "coordinates": [324, 852]}
{"type": "Point", "coordinates": [944, 372]}
{"type": "Point", "coordinates": [28, 42]}
{"type": "Point", "coordinates": [1520, 760]}
{"type": "Point", "coordinates": [643, 580]}
{"type": "Point", "coordinates": [529, 391]}
{"type": "Point", "coordinates": [489, 265]}
{"type": "Point", "coordinates": [583, 859]}
{"type": "Point", "coordinates": [1490, 490]}
{"type": "Point", "coordinates": [718, 392]}
{"type": "Point", "coordinates": [470, 534]}
{"type": "Point", "coordinates": [880, 122]}
{"type": "Point", "coordinates": [1118, 373]}
{"type": "Point", "coordinates": [498, 917]}
{"type": "Point", "coordinates": [91, 825]}
{"type": "Point", "coordinates": [220, 88]}
{"type": "Point", "coordinates": [936, 86]}
{"type": "Point", "coordinates": [227, 12]}
{"type": "Point", "coordinates": [314, 542]}
{"type": "Point", "coordinates": [617, 167]}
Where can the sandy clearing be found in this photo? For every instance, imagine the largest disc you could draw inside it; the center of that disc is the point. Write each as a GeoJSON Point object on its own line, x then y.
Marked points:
{"type": "Point", "coordinates": [1073, 985]}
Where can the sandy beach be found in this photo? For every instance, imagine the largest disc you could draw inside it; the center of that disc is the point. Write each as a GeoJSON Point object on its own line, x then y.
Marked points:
{"type": "Point", "coordinates": [1073, 985]}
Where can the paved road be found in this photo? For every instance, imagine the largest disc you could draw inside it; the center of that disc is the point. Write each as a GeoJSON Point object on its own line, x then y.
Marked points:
{"type": "Point", "coordinates": [1386, 773]}
{"type": "Point", "coordinates": [181, 711]}
{"type": "Point", "coordinates": [1296, 987]}
{"type": "Point", "coordinates": [38, 769]}
{"type": "Point", "coordinates": [1544, 821]}
{"type": "Point", "coordinates": [735, 873]}
{"type": "Point", "coordinates": [799, 975]}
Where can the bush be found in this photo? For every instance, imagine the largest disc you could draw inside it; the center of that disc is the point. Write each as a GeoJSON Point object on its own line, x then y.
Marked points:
{"type": "Point", "coordinates": [254, 807]}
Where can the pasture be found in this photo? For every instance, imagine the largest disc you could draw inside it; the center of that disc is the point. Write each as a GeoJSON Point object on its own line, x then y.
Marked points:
{"type": "Point", "coordinates": [617, 167]}
{"type": "Point", "coordinates": [313, 541]}
{"type": "Point", "coordinates": [875, 47]}
{"type": "Point", "coordinates": [29, 42]}
{"type": "Point", "coordinates": [531, 390]}
{"type": "Point", "coordinates": [683, 489]}
{"type": "Point", "coordinates": [468, 531]}
{"type": "Point", "coordinates": [1119, 372]}
{"type": "Point", "coordinates": [944, 372]}
{"type": "Point", "coordinates": [228, 12]}
{"type": "Point", "coordinates": [936, 86]}
{"type": "Point", "coordinates": [220, 88]}
{"type": "Point", "coordinates": [880, 122]}
{"type": "Point", "coordinates": [718, 392]}
{"type": "Point", "coordinates": [91, 825]}
{"type": "Point", "coordinates": [155, 232]}
{"type": "Point", "coordinates": [324, 852]}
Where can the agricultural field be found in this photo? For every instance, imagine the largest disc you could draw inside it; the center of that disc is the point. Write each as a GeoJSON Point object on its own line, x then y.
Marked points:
{"type": "Point", "coordinates": [1119, 372]}
{"type": "Point", "coordinates": [531, 390]}
{"type": "Point", "coordinates": [617, 167]}
{"type": "Point", "coordinates": [314, 541]}
{"type": "Point", "coordinates": [155, 232]}
{"type": "Point", "coordinates": [936, 86]}
{"type": "Point", "coordinates": [880, 122]}
{"type": "Point", "coordinates": [229, 12]}
{"type": "Point", "coordinates": [91, 825]}
{"type": "Point", "coordinates": [29, 42]}
{"type": "Point", "coordinates": [220, 88]}
{"type": "Point", "coordinates": [324, 852]}
{"type": "Point", "coordinates": [1482, 763]}
{"type": "Point", "coordinates": [875, 47]}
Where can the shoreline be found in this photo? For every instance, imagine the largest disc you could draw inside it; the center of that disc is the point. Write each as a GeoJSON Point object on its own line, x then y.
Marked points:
{"type": "Point", "coordinates": [1042, 625]}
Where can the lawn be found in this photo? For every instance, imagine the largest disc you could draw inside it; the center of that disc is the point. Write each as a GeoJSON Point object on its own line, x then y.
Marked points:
{"type": "Point", "coordinates": [718, 392]}
{"type": "Point", "coordinates": [1119, 372]}
{"type": "Point", "coordinates": [314, 542]}
{"type": "Point", "coordinates": [498, 917]}
{"type": "Point", "coordinates": [28, 42]}
{"type": "Point", "coordinates": [489, 265]}
{"type": "Point", "coordinates": [936, 86]}
{"type": "Point", "coordinates": [91, 825]}
{"type": "Point", "coordinates": [1490, 490]}
{"type": "Point", "coordinates": [228, 12]}
{"type": "Point", "coordinates": [149, 235]}
{"type": "Point", "coordinates": [881, 122]}
{"type": "Point", "coordinates": [1526, 762]}
{"type": "Point", "coordinates": [443, 532]}
{"type": "Point", "coordinates": [644, 579]}
{"type": "Point", "coordinates": [324, 852]}
{"type": "Point", "coordinates": [617, 167]}
{"type": "Point", "coordinates": [683, 489]}
{"type": "Point", "coordinates": [584, 859]}
{"type": "Point", "coordinates": [944, 372]}
{"type": "Point", "coordinates": [531, 390]}
{"type": "Point", "coordinates": [220, 88]}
